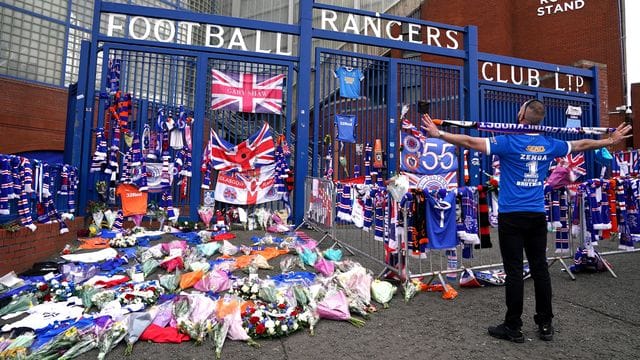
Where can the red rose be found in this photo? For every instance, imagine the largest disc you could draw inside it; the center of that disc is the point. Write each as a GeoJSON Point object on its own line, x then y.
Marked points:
{"type": "Point", "coordinates": [251, 310]}
{"type": "Point", "coordinates": [43, 287]}
{"type": "Point", "coordinates": [151, 288]}
{"type": "Point", "coordinates": [129, 297]}
{"type": "Point", "coordinates": [260, 329]}
{"type": "Point", "coordinates": [294, 313]}
{"type": "Point", "coordinates": [254, 319]}
{"type": "Point", "coordinates": [282, 306]}
{"type": "Point", "coordinates": [47, 297]}
{"type": "Point", "coordinates": [493, 182]}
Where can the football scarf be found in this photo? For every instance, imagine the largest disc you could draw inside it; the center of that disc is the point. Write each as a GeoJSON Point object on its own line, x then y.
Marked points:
{"type": "Point", "coordinates": [562, 233]}
{"type": "Point", "coordinates": [485, 231]}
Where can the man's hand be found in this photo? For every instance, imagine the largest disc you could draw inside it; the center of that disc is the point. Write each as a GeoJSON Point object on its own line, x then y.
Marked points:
{"type": "Point", "coordinates": [432, 129]}
{"type": "Point", "coordinates": [621, 133]}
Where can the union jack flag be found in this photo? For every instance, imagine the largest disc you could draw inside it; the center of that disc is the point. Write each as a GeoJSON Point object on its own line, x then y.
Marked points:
{"type": "Point", "coordinates": [257, 151]}
{"type": "Point", "coordinates": [246, 92]}
{"type": "Point", "coordinates": [573, 162]}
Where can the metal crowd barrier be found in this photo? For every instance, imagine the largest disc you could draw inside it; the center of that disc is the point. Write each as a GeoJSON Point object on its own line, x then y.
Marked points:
{"type": "Point", "coordinates": [392, 254]}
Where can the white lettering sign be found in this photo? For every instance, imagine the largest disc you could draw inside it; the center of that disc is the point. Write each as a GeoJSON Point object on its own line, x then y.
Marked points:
{"type": "Point", "coordinates": [550, 7]}
{"type": "Point", "coordinates": [511, 74]}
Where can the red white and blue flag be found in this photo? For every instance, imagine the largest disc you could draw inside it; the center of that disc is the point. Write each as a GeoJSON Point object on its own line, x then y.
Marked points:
{"type": "Point", "coordinates": [245, 92]}
{"type": "Point", "coordinates": [257, 151]}
{"type": "Point", "coordinates": [574, 162]}
{"type": "Point", "coordinates": [247, 187]}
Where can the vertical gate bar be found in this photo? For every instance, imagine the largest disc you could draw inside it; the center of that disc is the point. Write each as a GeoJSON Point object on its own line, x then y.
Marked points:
{"type": "Point", "coordinates": [471, 71]}
{"type": "Point", "coordinates": [392, 127]}
{"type": "Point", "coordinates": [316, 158]}
{"type": "Point", "coordinates": [198, 132]}
{"type": "Point", "coordinates": [302, 123]}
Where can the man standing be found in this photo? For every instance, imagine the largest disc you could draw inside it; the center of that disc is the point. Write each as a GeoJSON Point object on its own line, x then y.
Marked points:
{"type": "Point", "coordinates": [524, 162]}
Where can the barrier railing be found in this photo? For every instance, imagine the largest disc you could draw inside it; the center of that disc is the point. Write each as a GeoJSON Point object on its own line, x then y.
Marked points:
{"type": "Point", "coordinates": [382, 234]}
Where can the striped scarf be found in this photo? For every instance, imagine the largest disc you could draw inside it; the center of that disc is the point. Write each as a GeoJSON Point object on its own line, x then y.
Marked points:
{"type": "Point", "coordinates": [485, 229]}
{"type": "Point", "coordinates": [562, 233]}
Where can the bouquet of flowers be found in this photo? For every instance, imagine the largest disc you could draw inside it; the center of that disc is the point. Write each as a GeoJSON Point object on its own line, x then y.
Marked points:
{"type": "Point", "coordinates": [334, 306]}
{"type": "Point", "coordinates": [382, 292]}
{"type": "Point", "coordinates": [59, 343]}
{"type": "Point", "coordinates": [187, 226]}
{"type": "Point", "coordinates": [170, 281]}
{"type": "Point", "coordinates": [102, 298]}
{"type": "Point", "coordinates": [145, 292]}
{"type": "Point", "coordinates": [206, 214]}
{"type": "Point", "coordinates": [16, 348]}
{"type": "Point", "coordinates": [137, 323]}
{"type": "Point", "coordinates": [111, 337]}
{"type": "Point", "coordinates": [199, 323]}
{"type": "Point", "coordinates": [270, 320]}
{"type": "Point", "coordinates": [88, 342]}
{"type": "Point", "coordinates": [247, 287]}
{"type": "Point", "coordinates": [123, 241]}
{"type": "Point", "coordinates": [54, 290]}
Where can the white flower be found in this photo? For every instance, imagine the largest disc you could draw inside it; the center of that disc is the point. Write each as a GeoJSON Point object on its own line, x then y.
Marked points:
{"type": "Point", "coordinates": [258, 313]}
{"type": "Point", "coordinates": [271, 331]}
{"type": "Point", "coordinates": [254, 288]}
{"type": "Point", "coordinates": [284, 328]}
{"type": "Point", "coordinates": [244, 288]}
{"type": "Point", "coordinates": [295, 325]}
{"type": "Point", "coordinates": [269, 324]}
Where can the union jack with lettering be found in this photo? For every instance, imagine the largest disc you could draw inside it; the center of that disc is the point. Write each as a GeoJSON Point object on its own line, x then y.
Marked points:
{"type": "Point", "coordinates": [252, 93]}
{"type": "Point", "coordinates": [257, 151]}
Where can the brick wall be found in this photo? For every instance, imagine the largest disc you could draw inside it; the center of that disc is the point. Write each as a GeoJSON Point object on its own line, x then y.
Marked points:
{"type": "Point", "coordinates": [19, 250]}
{"type": "Point", "coordinates": [635, 116]}
{"type": "Point", "coordinates": [33, 117]}
{"type": "Point", "coordinates": [513, 28]}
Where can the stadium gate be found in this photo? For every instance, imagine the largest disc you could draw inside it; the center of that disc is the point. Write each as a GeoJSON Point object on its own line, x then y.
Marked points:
{"type": "Point", "coordinates": [166, 58]}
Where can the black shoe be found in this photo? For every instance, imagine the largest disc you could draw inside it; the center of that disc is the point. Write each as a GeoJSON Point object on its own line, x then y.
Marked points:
{"type": "Point", "coordinates": [545, 332]}
{"type": "Point", "coordinates": [502, 331]}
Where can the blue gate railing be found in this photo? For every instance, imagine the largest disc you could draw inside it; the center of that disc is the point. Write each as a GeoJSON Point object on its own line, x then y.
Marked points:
{"type": "Point", "coordinates": [177, 73]}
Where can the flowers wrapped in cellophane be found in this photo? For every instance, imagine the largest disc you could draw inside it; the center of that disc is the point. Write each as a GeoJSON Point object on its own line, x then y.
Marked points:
{"type": "Point", "coordinates": [198, 320]}
{"type": "Point", "coordinates": [382, 292]}
{"type": "Point", "coordinates": [334, 306]}
{"type": "Point", "coordinates": [137, 323]}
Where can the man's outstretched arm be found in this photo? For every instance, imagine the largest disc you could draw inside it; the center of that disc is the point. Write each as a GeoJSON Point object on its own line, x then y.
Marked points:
{"type": "Point", "coordinates": [621, 133]}
{"type": "Point", "coordinates": [466, 141]}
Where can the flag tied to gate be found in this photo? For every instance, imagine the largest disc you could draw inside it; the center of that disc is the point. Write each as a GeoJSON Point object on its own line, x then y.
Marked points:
{"type": "Point", "coordinates": [257, 151]}
{"type": "Point", "coordinates": [247, 187]}
{"type": "Point", "coordinates": [245, 92]}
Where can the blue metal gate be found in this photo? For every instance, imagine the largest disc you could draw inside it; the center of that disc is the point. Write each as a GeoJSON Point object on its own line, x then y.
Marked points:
{"type": "Point", "coordinates": [166, 74]}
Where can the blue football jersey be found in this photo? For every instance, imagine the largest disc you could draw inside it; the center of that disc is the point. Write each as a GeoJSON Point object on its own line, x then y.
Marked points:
{"type": "Point", "coordinates": [441, 221]}
{"type": "Point", "coordinates": [346, 127]}
{"type": "Point", "coordinates": [524, 162]}
{"type": "Point", "coordinates": [349, 81]}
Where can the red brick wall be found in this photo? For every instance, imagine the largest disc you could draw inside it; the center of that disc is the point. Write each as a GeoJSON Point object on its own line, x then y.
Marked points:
{"type": "Point", "coordinates": [33, 117]}
{"type": "Point", "coordinates": [591, 33]}
{"type": "Point", "coordinates": [513, 28]}
{"type": "Point", "coordinates": [19, 250]}
{"type": "Point", "coordinates": [635, 116]}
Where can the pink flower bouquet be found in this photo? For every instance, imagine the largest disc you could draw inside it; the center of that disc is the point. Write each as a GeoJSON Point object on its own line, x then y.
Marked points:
{"type": "Point", "coordinates": [334, 306]}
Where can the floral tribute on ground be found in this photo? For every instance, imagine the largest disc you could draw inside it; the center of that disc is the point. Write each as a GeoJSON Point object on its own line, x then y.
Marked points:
{"type": "Point", "coordinates": [191, 285]}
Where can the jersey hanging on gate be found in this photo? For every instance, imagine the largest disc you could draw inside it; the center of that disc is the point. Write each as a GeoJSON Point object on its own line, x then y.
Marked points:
{"type": "Point", "coordinates": [257, 151]}
{"type": "Point", "coordinates": [441, 220]}
{"type": "Point", "coordinates": [245, 92]}
{"type": "Point", "coordinates": [247, 187]}
{"type": "Point", "coordinates": [346, 127]}
{"type": "Point", "coordinates": [350, 79]}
